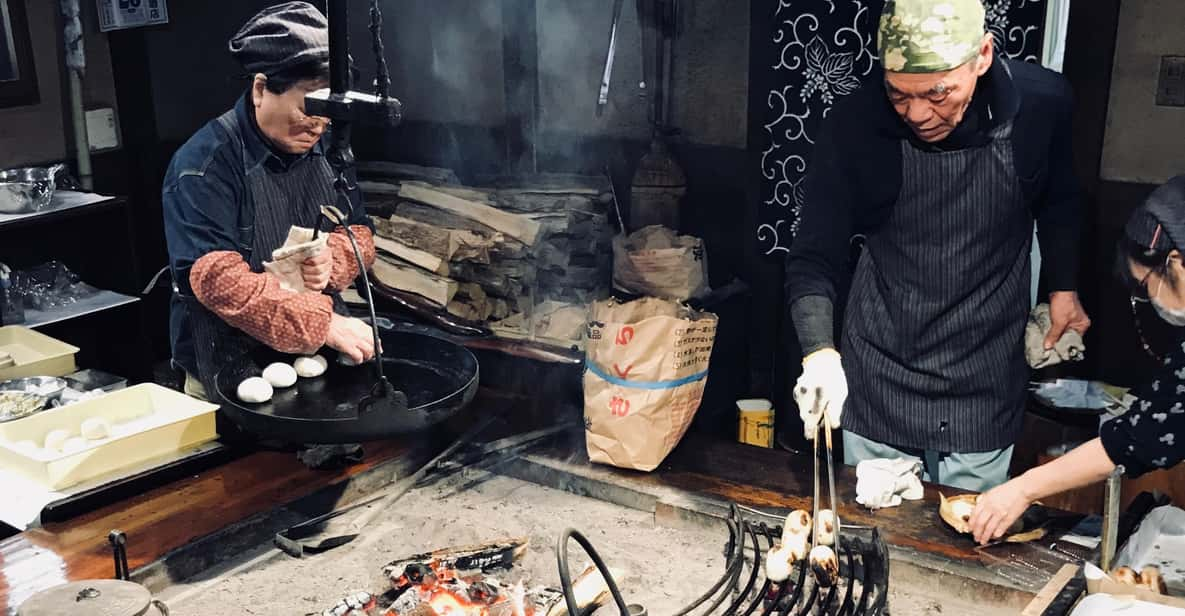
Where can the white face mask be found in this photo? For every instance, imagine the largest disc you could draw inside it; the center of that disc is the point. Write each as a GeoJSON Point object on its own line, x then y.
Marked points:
{"type": "Point", "coordinates": [1172, 316]}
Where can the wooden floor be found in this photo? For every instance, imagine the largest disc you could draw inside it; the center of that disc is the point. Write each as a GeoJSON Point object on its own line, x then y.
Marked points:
{"type": "Point", "coordinates": [167, 518]}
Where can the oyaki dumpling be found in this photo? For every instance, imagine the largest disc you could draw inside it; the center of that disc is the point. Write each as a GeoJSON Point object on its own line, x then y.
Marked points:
{"type": "Point", "coordinates": [310, 367]}
{"type": "Point", "coordinates": [280, 375]}
{"type": "Point", "coordinates": [95, 428]}
{"type": "Point", "coordinates": [255, 390]}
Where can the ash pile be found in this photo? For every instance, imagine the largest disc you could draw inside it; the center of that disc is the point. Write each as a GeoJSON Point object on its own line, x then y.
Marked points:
{"type": "Point", "coordinates": [523, 257]}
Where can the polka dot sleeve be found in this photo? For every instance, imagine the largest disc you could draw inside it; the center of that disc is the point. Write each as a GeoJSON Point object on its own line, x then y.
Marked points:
{"type": "Point", "coordinates": [254, 303]}
{"type": "Point", "coordinates": [1151, 435]}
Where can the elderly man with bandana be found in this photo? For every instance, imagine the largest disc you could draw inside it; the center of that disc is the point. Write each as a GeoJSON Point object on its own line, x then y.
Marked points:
{"type": "Point", "coordinates": [232, 194]}
{"type": "Point", "coordinates": [941, 162]}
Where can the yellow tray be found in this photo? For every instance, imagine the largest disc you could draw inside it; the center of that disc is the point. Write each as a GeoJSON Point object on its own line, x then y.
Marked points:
{"type": "Point", "coordinates": [35, 354]}
{"type": "Point", "coordinates": [147, 421]}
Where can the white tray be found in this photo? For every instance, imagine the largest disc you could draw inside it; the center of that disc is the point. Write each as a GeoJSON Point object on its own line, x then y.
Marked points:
{"type": "Point", "coordinates": [147, 421]}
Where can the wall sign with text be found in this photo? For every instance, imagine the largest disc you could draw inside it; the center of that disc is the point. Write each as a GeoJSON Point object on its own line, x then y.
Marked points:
{"type": "Point", "coordinates": [121, 14]}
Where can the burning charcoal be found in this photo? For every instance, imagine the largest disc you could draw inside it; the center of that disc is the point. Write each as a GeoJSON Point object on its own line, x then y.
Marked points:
{"type": "Point", "coordinates": [356, 604]}
{"type": "Point", "coordinates": [483, 592]}
{"type": "Point", "coordinates": [414, 574]}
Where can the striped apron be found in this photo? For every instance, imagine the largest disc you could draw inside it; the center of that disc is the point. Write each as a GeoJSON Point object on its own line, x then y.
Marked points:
{"type": "Point", "coordinates": [279, 200]}
{"type": "Point", "coordinates": [932, 342]}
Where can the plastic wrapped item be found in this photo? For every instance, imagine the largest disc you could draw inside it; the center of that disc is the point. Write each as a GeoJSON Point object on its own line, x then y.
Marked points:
{"type": "Point", "coordinates": [50, 285]}
{"type": "Point", "coordinates": [12, 309]}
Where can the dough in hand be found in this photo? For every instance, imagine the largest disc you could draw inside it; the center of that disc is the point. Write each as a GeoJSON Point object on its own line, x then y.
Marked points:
{"type": "Point", "coordinates": [310, 367]}
{"type": "Point", "coordinates": [95, 428]}
{"type": "Point", "coordinates": [56, 439]}
{"type": "Point", "coordinates": [280, 375]}
{"type": "Point", "coordinates": [346, 360]}
{"type": "Point", "coordinates": [255, 390]}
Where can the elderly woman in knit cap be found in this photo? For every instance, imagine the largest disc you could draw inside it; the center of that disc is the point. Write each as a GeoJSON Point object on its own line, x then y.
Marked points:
{"type": "Point", "coordinates": [941, 161]}
{"type": "Point", "coordinates": [233, 193]}
{"type": "Point", "coordinates": [1151, 435]}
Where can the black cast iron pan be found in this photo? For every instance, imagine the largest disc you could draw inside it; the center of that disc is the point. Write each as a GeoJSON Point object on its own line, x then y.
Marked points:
{"type": "Point", "coordinates": [438, 376]}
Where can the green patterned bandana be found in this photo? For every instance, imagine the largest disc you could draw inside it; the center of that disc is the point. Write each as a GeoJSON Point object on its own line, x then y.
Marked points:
{"type": "Point", "coordinates": [929, 36]}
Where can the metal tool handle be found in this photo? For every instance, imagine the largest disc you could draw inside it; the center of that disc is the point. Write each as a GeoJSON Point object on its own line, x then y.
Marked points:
{"type": "Point", "coordinates": [160, 607]}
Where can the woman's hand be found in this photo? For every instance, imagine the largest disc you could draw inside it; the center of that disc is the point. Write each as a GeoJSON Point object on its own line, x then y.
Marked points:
{"type": "Point", "coordinates": [317, 270]}
{"type": "Point", "coordinates": [998, 508]}
{"type": "Point", "coordinates": [352, 337]}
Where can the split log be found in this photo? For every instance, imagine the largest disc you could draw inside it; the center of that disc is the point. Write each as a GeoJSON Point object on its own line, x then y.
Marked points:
{"type": "Point", "coordinates": [590, 591]}
{"type": "Point", "coordinates": [415, 234]}
{"type": "Point", "coordinates": [514, 225]}
{"type": "Point", "coordinates": [407, 277]}
{"type": "Point", "coordinates": [498, 554]}
{"type": "Point", "coordinates": [402, 171]}
{"type": "Point", "coordinates": [470, 302]}
{"type": "Point", "coordinates": [419, 258]}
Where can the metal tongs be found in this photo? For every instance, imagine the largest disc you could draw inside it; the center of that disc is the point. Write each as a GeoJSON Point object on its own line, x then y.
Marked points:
{"type": "Point", "coordinates": [825, 428]}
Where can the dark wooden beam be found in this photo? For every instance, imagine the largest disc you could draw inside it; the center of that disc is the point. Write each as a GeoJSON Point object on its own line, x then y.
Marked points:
{"type": "Point", "coordinates": [520, 68]}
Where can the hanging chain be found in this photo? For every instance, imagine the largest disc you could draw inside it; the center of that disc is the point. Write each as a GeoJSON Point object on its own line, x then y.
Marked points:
{"type": "Point", "coordinates": [382, 79]}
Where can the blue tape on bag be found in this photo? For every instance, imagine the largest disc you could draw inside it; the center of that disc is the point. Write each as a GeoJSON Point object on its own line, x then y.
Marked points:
{"type": "Point", "coordinates": [645, 384]}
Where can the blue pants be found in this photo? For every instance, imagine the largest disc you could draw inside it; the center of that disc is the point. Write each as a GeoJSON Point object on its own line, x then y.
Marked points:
{"type": "Point", "coordinates": [977, 472]}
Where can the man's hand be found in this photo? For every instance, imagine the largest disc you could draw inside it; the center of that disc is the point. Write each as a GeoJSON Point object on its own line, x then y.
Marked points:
{"type": "Point", "coordinates": [821, 390]}
{"type": "Point", "coordinates": [998, 508]}
{"type": "Point", "coordinates": [352, 337]}
{"type": "Point", "coordinates": [1065, 311]}
{"type": "Point", "coordinates": [316, 270]}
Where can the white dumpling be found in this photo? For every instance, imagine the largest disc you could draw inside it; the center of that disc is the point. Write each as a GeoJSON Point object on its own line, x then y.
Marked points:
{"type": "Point", "coordinates": [95, 428]}
{"type": "Point", "coordinates": [255, 390]}
{"type": "Point", "coordinates": [27, 447]}
{"type": "Point", "coordinates": [777, 564]}
{"type": "Point", "coordinates": [280, 375]}
{"type": "Point", "coordinates": [74, 444]}
{"type": "Point", "coordinates": [310, 367]}
{"type": "Point", "coordinates": [56, 439]}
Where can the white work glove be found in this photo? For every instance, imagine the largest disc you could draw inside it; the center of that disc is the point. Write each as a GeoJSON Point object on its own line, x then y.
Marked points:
{"type": "Point", "coordinates": [822, 380]}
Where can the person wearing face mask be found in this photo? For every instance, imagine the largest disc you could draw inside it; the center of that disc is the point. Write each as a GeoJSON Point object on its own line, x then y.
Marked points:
{"type": "Point", "coordinates": [941, 162]}
{"type": "Point", "coordinates": [230, 196]}
{"type": "Point", "coordinates": [1151, 435]}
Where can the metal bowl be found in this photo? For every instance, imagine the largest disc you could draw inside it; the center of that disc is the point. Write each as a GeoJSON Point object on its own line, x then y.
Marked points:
{"type": "Point", "coordinates": [48, 387]}
{"type": "Point", "coordinates": [18, 404]}
{"type": "Point", "coordinates": [28, 189]}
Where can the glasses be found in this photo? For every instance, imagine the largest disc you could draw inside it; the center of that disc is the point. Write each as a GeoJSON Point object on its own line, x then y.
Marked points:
{"type": "Point", "coordinates": [310, 123]}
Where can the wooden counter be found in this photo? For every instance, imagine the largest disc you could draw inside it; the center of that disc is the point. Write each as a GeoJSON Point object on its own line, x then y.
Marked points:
{"type": "Point", "coordinates": [162, 520]}
{"type": "Point", "coordinates": [703, 474]}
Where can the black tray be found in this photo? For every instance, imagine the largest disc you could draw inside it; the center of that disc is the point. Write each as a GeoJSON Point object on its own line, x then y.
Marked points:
{"type": "Point", "coordinates": [438, 376]}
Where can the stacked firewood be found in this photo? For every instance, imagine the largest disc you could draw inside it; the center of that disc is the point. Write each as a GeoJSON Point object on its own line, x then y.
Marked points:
{"type": "Point", "coordinates": [525, 256]}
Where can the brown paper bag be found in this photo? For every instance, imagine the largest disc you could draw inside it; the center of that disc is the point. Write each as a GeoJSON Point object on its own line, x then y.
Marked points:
{"type": "Point", "coordinates": [646, 365]}
{"type": "Point", "coordinates": [658, 262]}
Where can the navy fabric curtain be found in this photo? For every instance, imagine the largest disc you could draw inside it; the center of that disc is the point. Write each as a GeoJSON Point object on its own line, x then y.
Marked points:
{"type": "Point", "coordinates": [808, 54]}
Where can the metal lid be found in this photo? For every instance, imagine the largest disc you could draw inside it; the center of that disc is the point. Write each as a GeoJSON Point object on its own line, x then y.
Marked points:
{"type": "Point", "coordinates": [90, 597]}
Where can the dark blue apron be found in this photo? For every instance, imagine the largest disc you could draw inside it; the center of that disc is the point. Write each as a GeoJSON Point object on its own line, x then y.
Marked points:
{"type": "Point", "coordinates": [932, 343]}
{"type": "Point", "coordinates": [280, 199]}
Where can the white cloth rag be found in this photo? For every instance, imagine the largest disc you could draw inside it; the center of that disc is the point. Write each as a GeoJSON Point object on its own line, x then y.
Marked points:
{"type": "Point", "coordinates": [1069, 347]}
{"type": "Point", "coordinates": [287, 259]}
{"type": "Point", "coordinates": [884, 482]}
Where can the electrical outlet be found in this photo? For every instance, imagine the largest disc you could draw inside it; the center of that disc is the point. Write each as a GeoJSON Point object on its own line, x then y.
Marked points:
{"type": "Point", "coordinates": [102, 131]}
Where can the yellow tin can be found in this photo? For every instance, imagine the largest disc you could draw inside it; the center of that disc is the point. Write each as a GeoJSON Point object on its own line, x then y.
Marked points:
{"type": "Point", "coordinates": [756, 425]}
